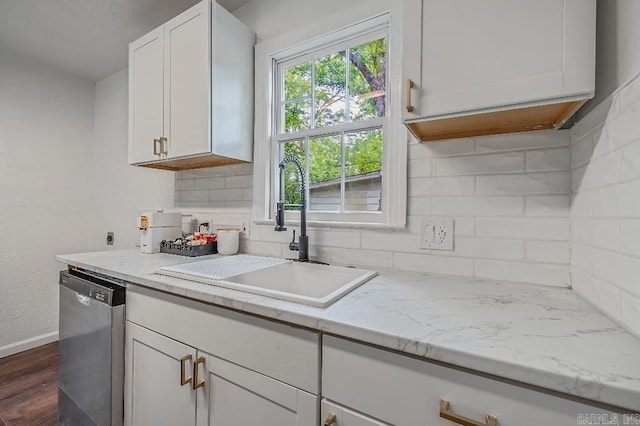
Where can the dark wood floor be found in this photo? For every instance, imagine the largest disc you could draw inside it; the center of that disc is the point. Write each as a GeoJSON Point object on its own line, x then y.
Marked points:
{"type": "Point", "coordinates": [29, 387]}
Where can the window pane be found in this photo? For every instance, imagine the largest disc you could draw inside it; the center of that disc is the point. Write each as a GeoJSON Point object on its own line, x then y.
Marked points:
{"type": "Point", "coordinates": [330, 89]}
{"type": "Point", "coordinates": [297, 116]}
{"type": "Point", "coordinates": [297, 82]}
{"type": "Point", "coordinates": [367, 80]}
{"type": "Point", "coordinates": [362, 170]}
{"type": "Point", "coordinates": [325, 172]}
{"type": "Point", "coordinates": [291, 177]}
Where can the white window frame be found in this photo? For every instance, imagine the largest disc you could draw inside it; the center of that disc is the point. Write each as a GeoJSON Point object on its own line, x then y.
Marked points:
{"type": "Point", "coordinates": [352, 22]}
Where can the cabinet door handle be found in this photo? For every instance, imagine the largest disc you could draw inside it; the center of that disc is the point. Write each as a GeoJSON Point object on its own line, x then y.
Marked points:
{"type": "Point", "coordinates": [183, 367]}
{"type": "Point", "coordinates": [409, 87]}
{"type": "Point", "coordinates": [447, 413]}
{"type": "Point", "coordinates": [197, 384]}
{"type": "Point", "coordinates": [156, 144]}
{"type": "Point", "coordinates": [330, 420]}
{"type": "Point", "coordinates": [163, 145]}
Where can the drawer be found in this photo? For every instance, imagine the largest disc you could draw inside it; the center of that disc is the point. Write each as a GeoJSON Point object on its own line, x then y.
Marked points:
{"type": "Point", "coordinates": [286, 353]}
{"type": "Point", "coordinates": [406, 391]}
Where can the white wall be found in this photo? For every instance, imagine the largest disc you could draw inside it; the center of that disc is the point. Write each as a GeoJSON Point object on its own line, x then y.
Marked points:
{"type": "Point", "coordinates": [46, 201]}
{"type": "Point", "coordinates": [120, 188]}
{"type": "Point", "coordinates": [605, 210]}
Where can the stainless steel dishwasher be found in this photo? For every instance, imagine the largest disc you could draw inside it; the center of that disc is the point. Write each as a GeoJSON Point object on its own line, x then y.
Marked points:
{"type": "Point", "coordinates": [91, 347]}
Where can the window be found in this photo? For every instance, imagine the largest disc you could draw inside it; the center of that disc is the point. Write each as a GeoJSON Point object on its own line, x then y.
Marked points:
{"type": "Point", "coordinates": [331, 107]}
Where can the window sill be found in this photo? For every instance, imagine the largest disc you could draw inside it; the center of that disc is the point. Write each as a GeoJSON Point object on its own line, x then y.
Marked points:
{"type": "Point", "coordinates": [332, 225]}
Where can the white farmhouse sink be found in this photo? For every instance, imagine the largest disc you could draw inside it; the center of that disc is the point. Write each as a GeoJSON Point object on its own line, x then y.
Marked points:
{"type": "Point", "coordinates": [306, 283]}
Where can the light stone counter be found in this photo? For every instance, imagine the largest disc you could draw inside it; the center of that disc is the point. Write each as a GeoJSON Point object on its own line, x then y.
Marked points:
{"type": "Point", "coordinates": [543, 336]}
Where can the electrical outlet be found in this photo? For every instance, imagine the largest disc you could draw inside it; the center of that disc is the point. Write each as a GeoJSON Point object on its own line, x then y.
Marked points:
{"type": "Point", "coordinates": [436, 233]}
{"type": "Point", "coordinates": [109, 238]}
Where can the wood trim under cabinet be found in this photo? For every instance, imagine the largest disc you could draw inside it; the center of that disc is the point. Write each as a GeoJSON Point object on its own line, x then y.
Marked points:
{"type": "Point", "coordinates": [542, 117]}
{"type": "Point", "coordinates": [200, 162]}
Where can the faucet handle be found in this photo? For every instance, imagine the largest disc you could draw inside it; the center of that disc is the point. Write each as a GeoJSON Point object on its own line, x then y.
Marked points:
{"type": "Point", "coordinates": [293, 245]}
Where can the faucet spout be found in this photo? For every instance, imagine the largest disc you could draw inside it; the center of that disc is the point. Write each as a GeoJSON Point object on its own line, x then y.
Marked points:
{"type": "Point", "coordinates": [303, 239]}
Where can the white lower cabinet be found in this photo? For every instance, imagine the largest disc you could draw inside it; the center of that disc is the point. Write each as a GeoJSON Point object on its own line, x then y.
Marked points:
{"type": "Point", "coordinates": [236, 396]}
{"type": "Point", "coordinates": [388, 388]}
{"type": "Point", "coordinates": [189, 363]}
{"type": "Point", "coordinates": [154, 392]}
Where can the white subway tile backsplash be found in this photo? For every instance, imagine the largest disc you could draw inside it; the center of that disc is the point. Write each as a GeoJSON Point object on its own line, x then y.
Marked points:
{"type": "Point", "coordinates": [433, 264]}
{"type": "Point", "coordinates": [429, 187]}
{"type": "Point", "coordinates": [617, 201]}
{"type": "Point", "coordinates": [346, 239]}
{"type": "Point", "coordinates": [602, 294]}
{"type": "Point", "coordinates": [522, 141]}
{"type": "Point", "coordinates": [243, 181]}
{"type": "Point", "coordinates": [548, 252]}
{"type": "Point", "coordinates": [362, 258]}
{"type": "Point", "coordinates": [553, 275]}
{"type": "Point", "coordinates": [487, 248]}
{"type": "Point", "coordinates": [392, 241]}
{"type": "Point", "coordinates": [442, 148]}
{"type": "Point", "coordinates": [479, 164]}
{"type": "Point", "coordinates": [185, 185]}
{"type": "Point", "coordinates": [525, 184]}
{"type": "Point", "coordinates": [421, 167]}
{"type": "Point", "coordinates": [194, 196]}
{"type": "Point", "coordinates": [419, 206]}
{"type": "Point", "coordinates": [601, 172]}
{"type": "Point", "coordinates": [225, 194]}
{"type": "Point", "coordinates": [581, 204]}
{"type": "Point", "coordinates": [582, 257]}
{"type": "Point", "coordinates": [464, 226]}
{"type": "Point", "coordinates": [548, 160]}
{"type": "Point", "coordinates": [554, 229]}
{"type": "Point", "coordinates": [630, 237]}
{"type": "Point", "coordinates": [630, 162]}
{"type": "Point", "coordinates": [581, 152]}
{"type": "Point", "coordinates": [478, 206]}
{"type": "Point", "coordinates": [210, 183]}
{"type": "Point", "coordinates": [548, 205]}
{"type": "Point", "coordinates": [498, 207]}
{"type": "Point", "coordinates": [624, 128]}
{"type": "Point", "coordinates": [621, 270]}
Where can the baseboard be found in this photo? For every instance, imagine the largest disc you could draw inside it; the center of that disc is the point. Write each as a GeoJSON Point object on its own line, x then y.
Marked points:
{"type": "Point", "coordinates": [27, 344]}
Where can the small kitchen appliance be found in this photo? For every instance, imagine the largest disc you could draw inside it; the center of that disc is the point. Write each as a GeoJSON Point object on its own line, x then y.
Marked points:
{"type": "Point", "coordinates": [156, 227]}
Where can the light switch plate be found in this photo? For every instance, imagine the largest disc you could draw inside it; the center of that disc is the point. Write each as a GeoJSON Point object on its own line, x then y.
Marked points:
{"type": "Point", "coordinates": [436, 233]}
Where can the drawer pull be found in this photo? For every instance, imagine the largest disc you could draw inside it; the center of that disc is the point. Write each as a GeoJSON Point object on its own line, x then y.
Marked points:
{"type": "Point", "coordinates": [447, 413]}
{"type": "Point", "coordinates": [195, 383]}
{"type": "Point", "coordinates": [183, 361]}
{"type": "Point", "coordinates": [409, 87]}
{"type": "Point", "coordinates": [331, 419]}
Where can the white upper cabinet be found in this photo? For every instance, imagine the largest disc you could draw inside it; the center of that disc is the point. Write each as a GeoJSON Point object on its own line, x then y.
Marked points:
{"type": "Point", "coordinates": [179, 75]}
{"type": "Point", "coordinates": [496, 66]}
{"type": "Point", "coordinates": [146, 97]}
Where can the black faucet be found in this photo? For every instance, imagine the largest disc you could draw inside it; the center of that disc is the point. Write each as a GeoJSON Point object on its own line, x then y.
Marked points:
{"type": "Point", "coordinates": [302, 246]}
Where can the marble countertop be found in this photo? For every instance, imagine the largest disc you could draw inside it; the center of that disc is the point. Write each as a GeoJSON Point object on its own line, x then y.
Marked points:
{"type": "Point", "coordinates": [543, 336]}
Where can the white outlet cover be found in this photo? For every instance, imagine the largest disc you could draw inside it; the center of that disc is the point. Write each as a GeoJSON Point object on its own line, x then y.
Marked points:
{"type": "Point", "coordinates": [436, 233]}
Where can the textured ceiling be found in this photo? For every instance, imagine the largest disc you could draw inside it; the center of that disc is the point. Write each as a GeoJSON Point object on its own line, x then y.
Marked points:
{"type": "Point", "coordinates": [88, 38]}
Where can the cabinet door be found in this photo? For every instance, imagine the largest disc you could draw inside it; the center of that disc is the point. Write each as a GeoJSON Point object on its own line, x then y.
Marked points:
{"type": "Point", "coordinates": [154, 394]}
{"type": "Point", "coordinates": [186, 64]}
{"type": "Point", "coordinates": [236, 396]}
{"type": "Point", "coordinates": [344, 416]}
{"type": "Point", "coordinates": [477, 55]}
{"type": "Point", "coordinates": [146, 85]}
